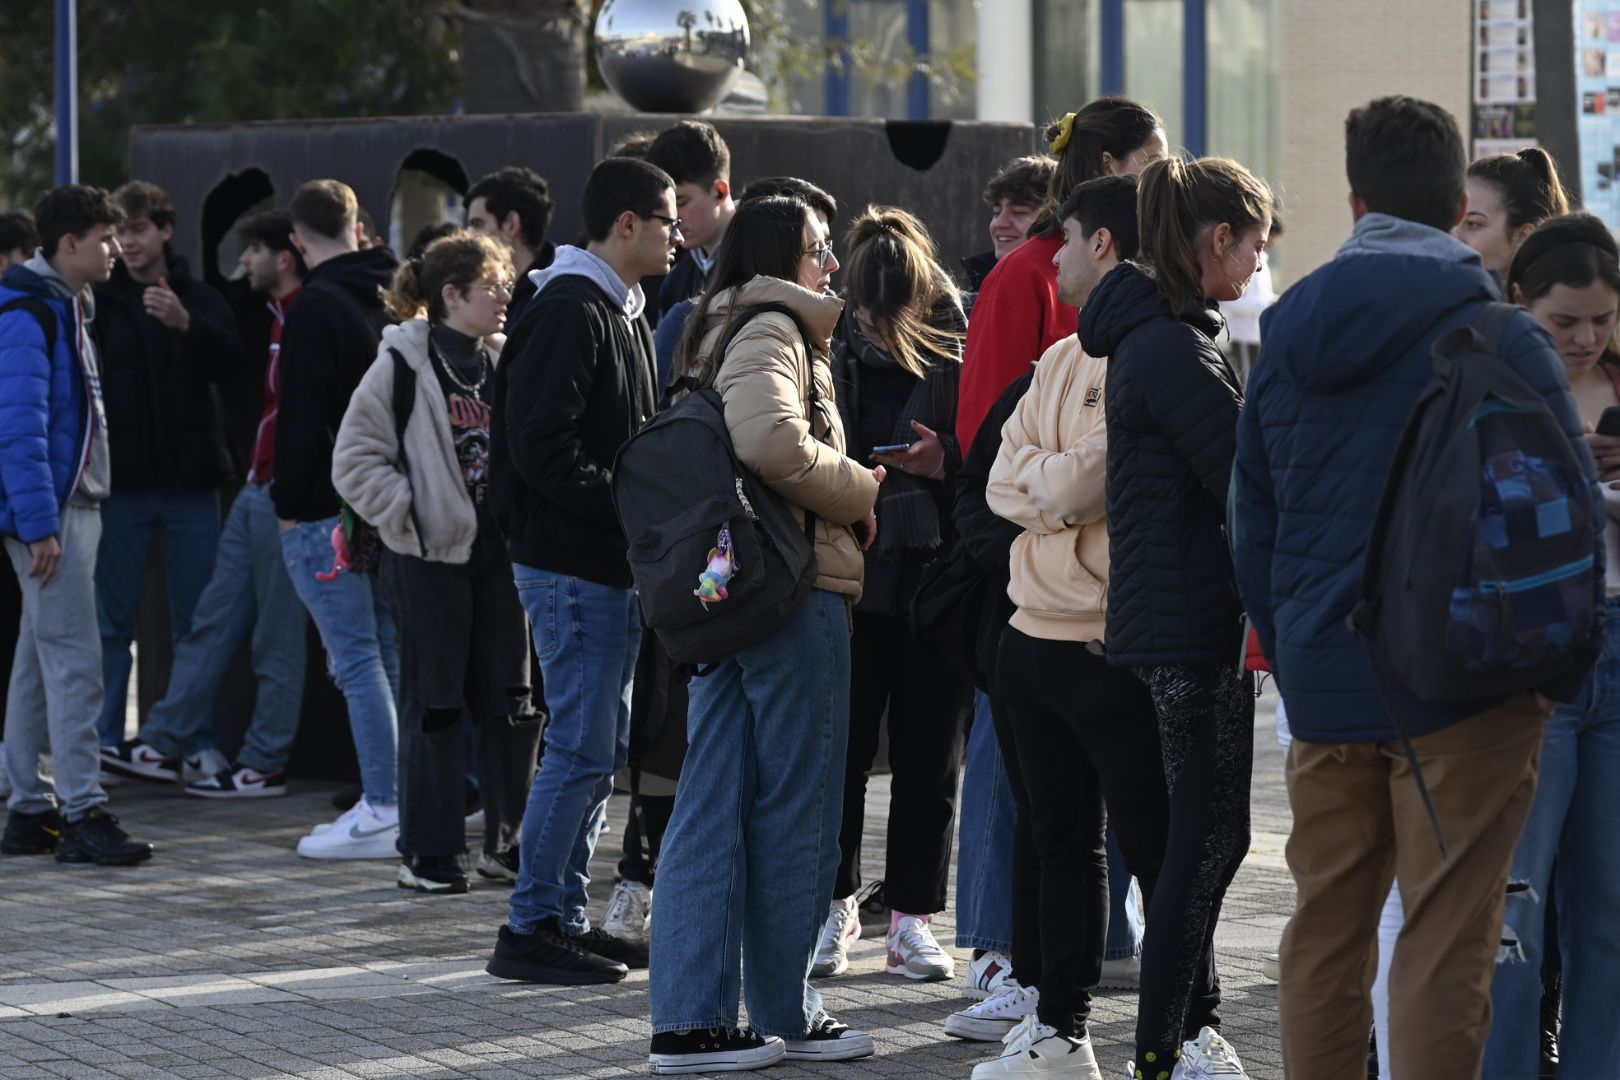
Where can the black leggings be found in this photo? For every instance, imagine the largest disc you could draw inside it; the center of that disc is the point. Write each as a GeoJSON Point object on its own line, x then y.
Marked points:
{"type": "Point", "coordinates": [927, 702]}
{"type": "Point", "coordinates": [1206, 728]}
{"type": "Point", "coordinates": [1086, 736]}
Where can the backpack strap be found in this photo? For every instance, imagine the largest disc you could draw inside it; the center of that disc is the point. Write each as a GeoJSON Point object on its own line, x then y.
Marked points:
{"type": "Point", "coordinates": [43, 314]}
{"type": "Point", "coordinates": [1493, 324]}
{"type": "Point", "coordinates": [404, 403]}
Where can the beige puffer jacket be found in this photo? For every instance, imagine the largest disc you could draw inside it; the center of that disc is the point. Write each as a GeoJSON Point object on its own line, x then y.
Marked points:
{"type": "Point", "coordinates": [765, 384]}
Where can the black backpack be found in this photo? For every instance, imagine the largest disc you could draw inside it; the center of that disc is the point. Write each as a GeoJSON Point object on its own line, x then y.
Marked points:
{"type": "Point", "coordinates": [1480, 580]}
{"type": "Point", "coordinates": [43, 314]}
{"type": "Point", "coordinates": [676, 484]}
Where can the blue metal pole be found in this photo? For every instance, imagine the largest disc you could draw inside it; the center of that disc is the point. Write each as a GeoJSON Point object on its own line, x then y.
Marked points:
{"type": "Point", "coordinates": [1195, 66]}
{"type": "Point", "coordinates": [1112, 28]}
{"type": "Point", "coordinates": [838, 75]}
{"type": "Point", "coordinates": [917, 105]}
{"type": "Point", "coordinates": [67, 96]}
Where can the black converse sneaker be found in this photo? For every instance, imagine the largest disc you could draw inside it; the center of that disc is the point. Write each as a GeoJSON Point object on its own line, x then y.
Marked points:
{"type": "Point", "coordinates": [31, 834]}
{"type": "Point", "coordinates": [714, 1050]}
{"type": "Point", "coordinates": [828, 1040]}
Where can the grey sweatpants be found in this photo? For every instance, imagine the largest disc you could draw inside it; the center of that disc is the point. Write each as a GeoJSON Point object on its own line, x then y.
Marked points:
{"type": "Point", "coordinates": [56, 690]}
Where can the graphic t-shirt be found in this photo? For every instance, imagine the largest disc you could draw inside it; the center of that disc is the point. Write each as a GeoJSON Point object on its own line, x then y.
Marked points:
{"type": "Point", "coordinates": [464, 372]}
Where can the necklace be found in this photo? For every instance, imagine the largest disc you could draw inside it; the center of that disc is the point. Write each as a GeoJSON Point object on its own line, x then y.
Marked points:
{"type": "Point", "coordinates": [449, 369]}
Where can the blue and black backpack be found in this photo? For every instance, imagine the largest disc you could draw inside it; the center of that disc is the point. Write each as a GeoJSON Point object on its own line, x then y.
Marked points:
{"type": "Point", "coordinates": [1480, 580]}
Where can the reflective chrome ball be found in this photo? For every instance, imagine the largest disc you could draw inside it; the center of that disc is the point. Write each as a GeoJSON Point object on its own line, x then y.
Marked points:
{"type": "Point", "coordinates": [677, 56]}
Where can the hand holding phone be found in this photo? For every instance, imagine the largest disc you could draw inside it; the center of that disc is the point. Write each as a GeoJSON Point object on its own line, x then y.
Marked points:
{"type": "Point", "coordinates": [892, 448]}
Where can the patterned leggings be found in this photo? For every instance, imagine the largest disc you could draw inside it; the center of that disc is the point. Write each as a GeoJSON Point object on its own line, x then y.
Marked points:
{"type": "Point", "coordinates": [1206, 727]}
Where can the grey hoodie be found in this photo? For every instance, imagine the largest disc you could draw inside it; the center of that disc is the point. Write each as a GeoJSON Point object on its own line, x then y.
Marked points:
{"type": "Point", "coordinates": [577, 262]}
{"type": "Point", "coordinates": [1385, 234]}
{"type": "Point", "coordinates": [95, 481]}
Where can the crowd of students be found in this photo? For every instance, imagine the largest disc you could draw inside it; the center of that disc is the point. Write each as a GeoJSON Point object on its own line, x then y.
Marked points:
{"type": "Point", "coordinates": [1060, 454]}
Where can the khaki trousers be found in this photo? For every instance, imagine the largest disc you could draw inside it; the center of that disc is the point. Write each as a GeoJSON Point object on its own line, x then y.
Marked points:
{"type": "Point", "coordinates": [1358, 822]}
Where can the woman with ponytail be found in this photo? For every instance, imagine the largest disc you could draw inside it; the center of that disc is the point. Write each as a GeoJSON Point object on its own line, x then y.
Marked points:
{"type": "Point", "coordinates": [419, 472]}
{"type": "Point", "coordinates": [1568, 274]}
{"type": "Point", "coordinates": [1508, 196]}
{"type": "Point", "coordinates": [1173, 611]}
{"type": "Point", "coordinates": [897, 362]}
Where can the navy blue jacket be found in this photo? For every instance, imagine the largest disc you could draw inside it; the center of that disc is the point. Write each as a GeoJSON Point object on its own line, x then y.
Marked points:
{"type": "Point", "coordinates": [1346, 352]}
{"type": "Point", "coordinates": [43, 412]}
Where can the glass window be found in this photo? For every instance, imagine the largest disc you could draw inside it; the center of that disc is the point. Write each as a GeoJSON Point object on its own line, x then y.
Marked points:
{"type": "Point", "coordinates": [1243, 83]}
{"type": "Point", "coordinates": [1153, 60]}
{"type": "Point", "coordinates": [1067, 54]}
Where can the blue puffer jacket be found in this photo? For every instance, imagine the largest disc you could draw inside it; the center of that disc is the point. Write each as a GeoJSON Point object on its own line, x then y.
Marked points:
{"type": "Point", "coordinates": [42, 412]}
{"type": "Point", "coordinates": [1346, 352]}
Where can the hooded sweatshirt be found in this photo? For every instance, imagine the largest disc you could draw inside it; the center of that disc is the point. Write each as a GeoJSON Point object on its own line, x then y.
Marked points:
{"type": "Point", "coordinates": [95, 477]}
{"type": "Point", "coordinates": [1347, 351]}
{"type": "Point", "coordinates": [575, 381]}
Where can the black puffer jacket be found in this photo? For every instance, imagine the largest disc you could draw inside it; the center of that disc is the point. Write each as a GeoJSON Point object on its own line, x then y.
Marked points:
{"type": "Point", "coordinates": [1173, 404]}
{"type": "Point", "coordinates": [165, 418]}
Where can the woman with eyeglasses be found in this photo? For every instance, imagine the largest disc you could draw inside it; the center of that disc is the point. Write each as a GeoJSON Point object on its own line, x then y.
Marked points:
{"type": "Point", "coordinates": [897, 358]}
{"type": "Point", "coordinates": [412, 458]}
{"type": "Point", "coordinates": [749, 859]}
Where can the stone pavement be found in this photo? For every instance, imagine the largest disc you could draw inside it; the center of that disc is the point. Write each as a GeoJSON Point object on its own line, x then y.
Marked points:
{"type": "Point", "coordinates": [228, 956]}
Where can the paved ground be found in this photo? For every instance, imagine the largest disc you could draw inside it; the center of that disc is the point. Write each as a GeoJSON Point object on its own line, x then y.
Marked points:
{"type": "Point", "coordinates": [228, 956]}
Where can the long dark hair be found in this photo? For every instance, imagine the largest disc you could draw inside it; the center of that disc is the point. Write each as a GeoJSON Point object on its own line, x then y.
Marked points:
{"type": "Point", "coordinates": [765, 237]}
{"type": "Point", "coordinates": [1574, 250]}
{"type": "Point", "coordinates": [1117, 126]}
{"type": "Point", "coordinates": [1529, 183]}
{"type": "Point", "coordinates": [893, 274]}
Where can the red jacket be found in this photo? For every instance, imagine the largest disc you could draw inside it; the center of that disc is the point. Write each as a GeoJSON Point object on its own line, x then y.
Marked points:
{"type": "Point", "coordinates": [1017, 318]}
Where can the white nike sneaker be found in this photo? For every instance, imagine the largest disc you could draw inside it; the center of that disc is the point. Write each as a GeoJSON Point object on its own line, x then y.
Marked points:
{"type": "Point", "coordinates": [914, 953]}
{"type": "Point", "coordinates": [1036, 1049]}
{"type": "Point", "coordinates": [991, 1019]}
{"type": "Point", "coordinates": [1208, 1057]}
{"type": "Point", "coordinates": [363, 832]}
{"type": "Point", "coordinates": [842, 927]}
{"type": "Point", "coordinates": [984, 976]}
{"type": "Point", "coordinates": [203, 765]}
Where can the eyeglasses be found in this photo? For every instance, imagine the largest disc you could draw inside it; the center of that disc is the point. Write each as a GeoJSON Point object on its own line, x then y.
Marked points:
{"type": "Point", "coordinates": [495, 290]}
{"type": "Point", "coordinates": [674, 223]}
{"type": "Point", "coordinates": [823, 253]}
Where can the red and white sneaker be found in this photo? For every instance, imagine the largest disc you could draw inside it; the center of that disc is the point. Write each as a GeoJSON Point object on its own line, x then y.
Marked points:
{"type": "Point", "coordinates": [137, 760]}
{"type": "Point", "coordinates": [914, 953]}
{"type": "Point", "coordinates": [240, 782]}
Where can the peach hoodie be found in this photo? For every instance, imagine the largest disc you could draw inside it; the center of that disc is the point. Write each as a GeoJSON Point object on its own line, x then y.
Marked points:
{"type": "Point", "coordinates": [1050, 476]}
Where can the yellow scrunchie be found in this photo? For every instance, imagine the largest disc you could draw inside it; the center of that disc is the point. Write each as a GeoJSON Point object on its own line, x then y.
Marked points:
{"type": "Point", "coordinates": [1065, 129]}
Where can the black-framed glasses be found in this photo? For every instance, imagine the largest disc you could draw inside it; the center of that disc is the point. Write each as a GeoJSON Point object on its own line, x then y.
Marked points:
{"type": "Point", "coordinates": [674, 223]}
{"type": "Point", "coordinates": [823, 253]}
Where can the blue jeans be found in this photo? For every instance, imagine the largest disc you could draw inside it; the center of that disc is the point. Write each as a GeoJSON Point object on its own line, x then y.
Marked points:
{"type": "Point", "coordinates": [1125, 924]}
{"type": "Point", "coordinates": [189, 521]}
{"type": "Point", "coordinates": [587, 637]}
{"type": "Point", "coordinates": [984, 861]}
{"type": "Point", "coordinates": [362, 654]}
{"type": "Point", "coordinates": [250, 597]}
{"type": "Point", "coordinates": [1575, 823]}
{"type": "Point", "coordinates": [747, 867]}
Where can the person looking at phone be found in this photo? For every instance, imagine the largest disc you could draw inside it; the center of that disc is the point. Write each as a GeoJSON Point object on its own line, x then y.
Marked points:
{"type": "Point", "coordinates": [897, 360]}
{"type": "Point", "coordinates": [1568, 274]}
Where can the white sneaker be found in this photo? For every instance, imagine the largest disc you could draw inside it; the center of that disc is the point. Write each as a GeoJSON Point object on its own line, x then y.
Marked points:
{"type": "Point", "coordinates": [475, 821]}
{"type": "Point", "coordinates": [361, 833]}
{"type": "Point", "coordinates": [991, 1019]}
{"type": "Point", "coordinates": [1208, 1056]}
{"type": "Point", "coordinates": [203, 765]}
{"type": "Point", "coordinates": [984, 976]}
{"type": "Point", "coordinates": [1271, 967]}
{"type": "Point", "coordinates": [1123, 974]}
{"type": "Point", "coordinates": [914, 953]}
{"type": "Point", "coordinates": [1036, 1049]}
{"type": "Point", "coordinates": [843, 926]}
{"type": "Point", "coordinates": [629, 912]}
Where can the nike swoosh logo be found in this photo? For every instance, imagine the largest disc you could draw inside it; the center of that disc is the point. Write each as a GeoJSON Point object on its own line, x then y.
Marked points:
{"type": "Point", "coordinates": [252, 779]}
{"type": "Point", "coordinates": [358, 833]}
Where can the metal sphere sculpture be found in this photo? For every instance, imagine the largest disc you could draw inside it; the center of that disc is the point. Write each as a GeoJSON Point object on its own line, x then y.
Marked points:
{"type": "Point", "coordinates": [675, 56]}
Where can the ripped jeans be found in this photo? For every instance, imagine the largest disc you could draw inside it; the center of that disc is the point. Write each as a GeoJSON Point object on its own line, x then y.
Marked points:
{"type": "Point", "coordinates": [1574, 824]}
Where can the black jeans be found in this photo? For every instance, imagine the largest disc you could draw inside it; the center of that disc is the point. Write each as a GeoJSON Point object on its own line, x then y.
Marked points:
{"type": "Point", "coordinates": [1206, 727]}
{"type": "Point", "coordinates": [463, 648]}
{"type": "Point", "coordinates": [658, 702]}
{"type": "Point", "coordinates": [927, 702]}
{"type": "Point", "coordinates": [644, 836]}
{"type": "Point", "coordinates": [1086, 739]}
{"type": "Point", "coordinates": [1026, 864]}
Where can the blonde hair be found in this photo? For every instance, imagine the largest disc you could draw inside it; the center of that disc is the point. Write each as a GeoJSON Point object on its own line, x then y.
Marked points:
{"type": "Point", "coordinates": [893, 274]}
{"type": "Point", "coordinates": [1176, 200]}
{"type": "Point", "coordinates": [457, 259]}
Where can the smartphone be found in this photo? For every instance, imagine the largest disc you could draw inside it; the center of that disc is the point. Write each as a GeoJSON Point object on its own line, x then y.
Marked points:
{"type": "Point", "coordinates": [1609, 422]}
{"type": "Point", "coordinates": [897, 448]}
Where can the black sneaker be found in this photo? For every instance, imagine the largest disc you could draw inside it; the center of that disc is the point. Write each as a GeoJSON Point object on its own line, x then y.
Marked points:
{"type": "Point", "coordinates": [31, 834]}
{"type": "Point", "coordinates": [138, 761]}
{"type": "Point", "coordinates": [96, 838]}
{"type": "Point", "coordinates": [502, 866]}
{"type": "Point", "coordinates": [240, 782]}
{"type": "Point", "coordinates": [439, 875]}
{"type": "Point", "coordinates": [632, 954]}
{"type": "Point", "coordinates": [714, 1050]}
{"type": "Point", "coordinates": [829, 1040]}
{"type": "Point", "coordinates": [550, 956]}
{"type": "Point", "coordinates": [874, 908]}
